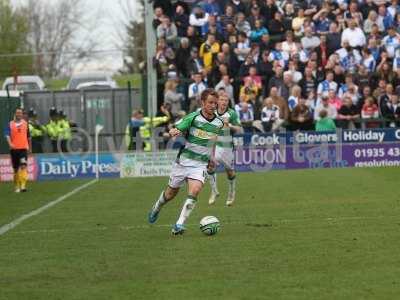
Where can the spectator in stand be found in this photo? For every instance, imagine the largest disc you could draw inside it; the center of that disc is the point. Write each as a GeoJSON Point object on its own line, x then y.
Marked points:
{"type": "Point", "coordinates": [309, 83]}
{"type": "Point", "coordinates": [183, 56]}
{"type": "Point", "coordinates": [256, 104]}
{"type": "Point", "coordinates": [281, 103]}
{"type": "Point", "coordinates": [256, 79]}
{"type": "Point", "coordinates": [195, 90]}
{"type": "Point", "coordinates": [294, 97]}
{"type": "Point", "coordinates": [270, 116]}
{"type": "Point", "coordinates": [391, 41]}
{"type": "Point", "coordinates": [173, 98]}
{"type": "Point", "coordinates": [368, 60]}
{"type": "Point", "coordinates": [334, 100]}
{"type": "Point", "coordinates": [264, 66]}
{"type": "Point", "coordinates": [297, 23]}
{"type": "Point", "coordinates": [276, 27]}
{"type": "Point", "coordinates": [333, 38]}
{"type": "Point", "coordinates": [258, 31]}
{"type": "Point", "coordinates": [212, 7]}
{"type": "Point", "coordinates": [293, 70]}
{"type": "Point", "coordinates": [248, 88]}
{"type": "Point", "coordinates": [370, 111]}
{"type": "Point", "coordinates": [321, 21]}
{"type": "Point", "coordinates": [168, 31]}
{"type": "Point", "coordinates": [354, 35]}
{"type": "Point", "coordinates": [242, 25]}
{"type": "Point", "coordinates": [324, 123]}
{"type": "Point", "coordinates": [324, 105]}
{"type": "Point", "coordinates": [372, 20]}
{"type": "Point", "coordinates": [158, 16]}
{"type": "Point", "coordinates": [238, 6]}
{"type": "Point", "coordinates": [181, 20]}
{"type": "Point", "coordinates": [386, 95]}
{"type": "Point", "coordinates": [195, 64]}
{"type": "Point", "coordinates": [328, 84]}
{"type": "Point", "coordinates": [289, 46]}
{"type": "Point", "coordinates": [198, 18]}
{"type": "Point", "coordinates": [276, 80]}
{"type": "Point", "coordinates": [242, 49]}
{"type": "Point", "coordinates": [384, 17]}
{"type": "Point", "coordinates": [208, 50]}
{"type": "Point", "coordinates": [164, 57]}
{"type": "Point", "coordinates": [346, 86]}
{"type": "Point", "coordinates": [213, 26]}
{"type": "Point", "coordinates": [309, 41]}
{"type": "Point", "coordinates": [348, 115]}
{"type": "Point", "coordinates": [255, 15]}
{"type": "Point", "coordinates": [391, 112]}
{"type": "Point", "coordinates": [352, 14]}
{"type": "Point", "coordinates": [279, 55]}
{"type": "Point", "coordinates": [300, 117]}
{"type": "Point", "coordinates": [226, 85]}
{"type": "Point", "coordinates": [228, 17]}
{"type": "Point", "coordinates": [246, 116]}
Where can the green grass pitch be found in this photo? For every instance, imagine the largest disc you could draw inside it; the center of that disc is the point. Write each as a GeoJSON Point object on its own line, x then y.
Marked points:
{"type": "Point", "coordinates": [318, 234]}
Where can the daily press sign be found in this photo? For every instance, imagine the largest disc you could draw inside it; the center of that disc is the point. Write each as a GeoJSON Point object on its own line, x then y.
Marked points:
{"type": "Point", "coordinates": [76, 166]}
{"type": "Point", "coordinates": [304, 138]}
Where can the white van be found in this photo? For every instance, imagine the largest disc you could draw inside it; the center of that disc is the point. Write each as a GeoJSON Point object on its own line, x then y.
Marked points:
{"type": "Point", "coordinates": [24, 83]}
{"type": "Point", "coordinates": [95, 80]}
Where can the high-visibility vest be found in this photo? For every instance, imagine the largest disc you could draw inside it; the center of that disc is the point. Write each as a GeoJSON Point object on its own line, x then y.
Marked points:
{"type": "Point", "coordinates": [64, 130]}
{"type": "Point", "coordinates": [53, 130]}
{"type": "Point", "coordinates": [36, 130]}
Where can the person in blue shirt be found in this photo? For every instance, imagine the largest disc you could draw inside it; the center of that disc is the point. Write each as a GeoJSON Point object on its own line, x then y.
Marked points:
{"type": "Point", "coordinates": [258, 31]}
{"type": "Point", "coordinates": [212, 8]}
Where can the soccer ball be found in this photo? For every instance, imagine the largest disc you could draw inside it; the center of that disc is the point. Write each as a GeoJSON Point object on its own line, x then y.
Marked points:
{"type": "Point", "coordinates": [209, 225]}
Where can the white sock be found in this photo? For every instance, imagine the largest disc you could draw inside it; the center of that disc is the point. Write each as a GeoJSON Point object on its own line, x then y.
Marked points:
{"type": "Point", "coordinates": [160, 202]}
{"type": "Point", "coordinates": [232, 185]}
{"type": "Point", "coordinates": [187, 208]}
{"type": "Point", "coordinates": [213, 182]}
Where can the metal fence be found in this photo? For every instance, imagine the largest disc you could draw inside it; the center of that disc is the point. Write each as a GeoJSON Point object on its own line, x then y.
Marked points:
{"type": "Point", "coordinates": [113, 106]}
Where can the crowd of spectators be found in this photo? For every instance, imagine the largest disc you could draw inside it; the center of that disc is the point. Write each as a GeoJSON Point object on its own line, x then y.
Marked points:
{"type": "Point", "coordinates": [300, 65]}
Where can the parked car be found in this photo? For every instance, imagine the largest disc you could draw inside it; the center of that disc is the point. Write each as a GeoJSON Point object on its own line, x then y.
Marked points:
{"type": "Point", "coordinates": [91, 81]}
{"type": "Point", "coordinates": [24, 83]}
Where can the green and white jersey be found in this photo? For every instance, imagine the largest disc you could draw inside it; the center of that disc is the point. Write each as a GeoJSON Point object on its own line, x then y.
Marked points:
{"type": "Point", "coordinates": [225, 139]}
{"type": "Point", "coordinates": [201, 135]}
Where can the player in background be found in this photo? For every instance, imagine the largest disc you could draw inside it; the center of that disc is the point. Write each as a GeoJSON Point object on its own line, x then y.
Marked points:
{"type": "Point", "coordinates": [18, 138]}
{"type": "Point", "coordinates": [224, 152]}
{"type": "Point", "coordinates": [200, 129]}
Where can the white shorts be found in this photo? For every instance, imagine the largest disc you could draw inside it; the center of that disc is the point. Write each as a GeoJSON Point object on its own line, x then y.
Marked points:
{"type": "Point", "coordinates": [225, 157]}
{"type": "Point", "coordinates": [180, 174]}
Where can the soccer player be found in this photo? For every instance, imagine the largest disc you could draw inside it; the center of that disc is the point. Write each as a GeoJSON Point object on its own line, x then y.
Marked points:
{"type": "Point", "coordinates": [18, 138]}
{"type": "Point", "coordinates": [201, 129]}
{"type": "Point", "coordinates": [224, 150]}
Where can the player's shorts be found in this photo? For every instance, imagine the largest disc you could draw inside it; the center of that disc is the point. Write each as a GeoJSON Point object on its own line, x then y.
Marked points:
{"type": "Point", "coordinates": [225, 157]}
{"type": "Point", "coordinates": [19, 157]}
{"type": "Point", "coordinates": [180, 174]}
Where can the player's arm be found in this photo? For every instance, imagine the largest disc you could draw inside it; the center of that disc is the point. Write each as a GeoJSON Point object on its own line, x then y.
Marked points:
{"type": "Point", "coordinates": [28, 133]}
{"type": "Point", "coordinates": [182, 125]}
{"type": "Point", "coordinates": [7, 134]}
{"type": "Point", "coordinates": [235, 125]}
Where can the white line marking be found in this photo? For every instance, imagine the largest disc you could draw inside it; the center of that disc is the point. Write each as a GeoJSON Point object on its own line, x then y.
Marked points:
{"type": "Point", "coordinates": [16, 222]}
{"type": "Point", "coordinates": [148, 226]}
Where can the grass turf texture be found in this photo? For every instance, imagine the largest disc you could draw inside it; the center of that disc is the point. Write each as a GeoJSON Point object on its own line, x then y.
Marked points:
{"type": "Point", "coordinates": [318, 234]}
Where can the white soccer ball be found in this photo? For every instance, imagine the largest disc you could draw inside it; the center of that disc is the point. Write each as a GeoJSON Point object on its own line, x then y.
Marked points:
{"type": "Point", "coordinates": [209, 225]}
